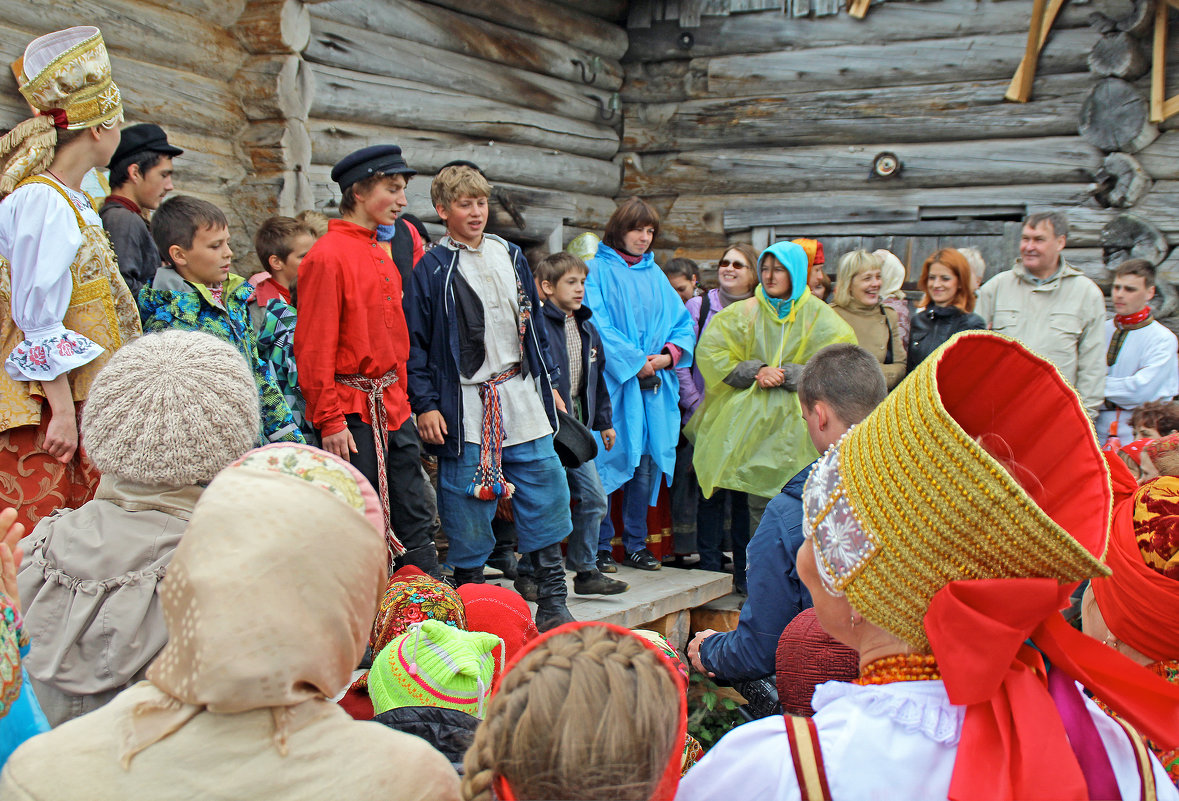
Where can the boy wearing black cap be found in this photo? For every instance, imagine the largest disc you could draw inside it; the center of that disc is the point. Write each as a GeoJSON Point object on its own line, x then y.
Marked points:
{"type": "Point", "coordinates": [482, 382]}
{"type": "Point", "coordinates": [141, 175]}
{"type": "Point", "coordinates": [351, 346]}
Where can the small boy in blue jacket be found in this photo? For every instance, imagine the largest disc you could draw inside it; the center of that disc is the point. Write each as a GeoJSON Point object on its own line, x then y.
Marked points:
{"type": "Point", "coordinates": [482, 386]}
{"type": "Point", "coordinates": [577, 350]}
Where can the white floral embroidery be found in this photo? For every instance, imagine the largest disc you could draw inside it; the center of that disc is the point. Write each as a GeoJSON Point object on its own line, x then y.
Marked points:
{"type": "Point", "coordinates": [841, 542]}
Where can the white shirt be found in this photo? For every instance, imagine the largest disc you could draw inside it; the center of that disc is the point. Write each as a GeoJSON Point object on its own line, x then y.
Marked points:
{"type": "Point", "coordinates": [1147, 369]}
{"type": "Point", "coordinates": [489, 271]}
{"type": "Point", "coordinates": [879, 742]}
{"type": "Point", "coordinates": [39, 238]}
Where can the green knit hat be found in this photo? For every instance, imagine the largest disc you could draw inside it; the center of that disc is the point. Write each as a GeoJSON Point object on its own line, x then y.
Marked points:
{"type": "Point", "coordinates": [433, 664]}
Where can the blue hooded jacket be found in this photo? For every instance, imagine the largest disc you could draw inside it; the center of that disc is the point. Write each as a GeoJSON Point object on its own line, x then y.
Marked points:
{"type": "Point", "coordinates": [793, 258]}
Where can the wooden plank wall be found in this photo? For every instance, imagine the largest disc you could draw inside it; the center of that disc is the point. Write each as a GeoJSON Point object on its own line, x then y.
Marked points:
{"type": "Point", "coordinates": [762, 119]}
{"type": "Point", "coordinates": [175, 62]}
{"type": "Point", "coordinates": [523, 88]}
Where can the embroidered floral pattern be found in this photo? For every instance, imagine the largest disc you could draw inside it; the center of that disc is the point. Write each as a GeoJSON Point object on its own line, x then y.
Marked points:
{"type": "Point", "coordinates": [13, 643]}
{"type": "Point", "coordinates": [1156, 526]}
{"type": "Point", "coordinates": [841, 542]}
{"type": "Point", "coordinates": [311, 465]}
{"type": "Point", "coordinates": [50, 357]}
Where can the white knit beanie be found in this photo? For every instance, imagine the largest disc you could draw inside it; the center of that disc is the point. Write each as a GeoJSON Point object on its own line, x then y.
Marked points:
{"type": "Point", "coordinates": [171, 409]}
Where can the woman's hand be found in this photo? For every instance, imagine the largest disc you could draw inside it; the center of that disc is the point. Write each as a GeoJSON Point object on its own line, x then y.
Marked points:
{"type": "Point", "coordinates": [770, 377]}
{"type": "Point", "coordinates": [61, 435]}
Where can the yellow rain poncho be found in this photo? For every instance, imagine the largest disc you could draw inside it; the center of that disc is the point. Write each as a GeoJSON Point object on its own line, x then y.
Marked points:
{"type": "Point", "coordinates": [754, 440]}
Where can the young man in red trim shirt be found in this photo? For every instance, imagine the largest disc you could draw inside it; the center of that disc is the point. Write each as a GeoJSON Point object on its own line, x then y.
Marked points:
{"type": "Point", "coordinates": [351, 347]}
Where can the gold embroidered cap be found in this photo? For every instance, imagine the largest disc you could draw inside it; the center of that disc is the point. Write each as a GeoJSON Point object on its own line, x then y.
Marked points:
{"type": "Point", "coordinates": [68, 73]}
{"type": "Point", "coordinates": [913, 497]}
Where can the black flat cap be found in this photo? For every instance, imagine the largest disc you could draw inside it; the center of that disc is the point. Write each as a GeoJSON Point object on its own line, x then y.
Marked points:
{"type": "Point", "coordinates": [143, 138]}
{"type": "Point", "coordinates": [369, 161]}
{"type": "Point", "coordinates": [574, 443]}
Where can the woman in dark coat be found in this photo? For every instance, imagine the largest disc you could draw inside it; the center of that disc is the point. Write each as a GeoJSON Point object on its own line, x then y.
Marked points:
{"type": "Point", "coordinates": [946, 308]}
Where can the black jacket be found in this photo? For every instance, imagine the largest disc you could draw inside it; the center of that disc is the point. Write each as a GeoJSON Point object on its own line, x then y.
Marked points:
{"type": "Point", "coordinates": [134, 248]}
{"type": "Point", "coordinates": [448, 730]}
{"type": "Point", "coordinates": [595, 398]}
{"type": "Point", "coordinates": [932, 326]}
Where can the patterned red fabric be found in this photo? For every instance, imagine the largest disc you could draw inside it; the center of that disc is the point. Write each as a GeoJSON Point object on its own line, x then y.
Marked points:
{"type": "Point", "coordinates": [36, 484]}
{"type": "Point", "coordinates": [659, 539]}
{"type": "Point", "coordinates": [807, 656]}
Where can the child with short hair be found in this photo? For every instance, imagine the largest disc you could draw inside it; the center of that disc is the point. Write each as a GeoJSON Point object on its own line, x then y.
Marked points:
{"type": "Point", "coordinates": [351, 349]}
{"type": "Point", "coordinates": [684, 276]}
{"type": "Point", "coordinates": [577, 349]}
{"type": "Point", "coordinates": [195, 291]}
{"type": "Point", "coordinates": [481, 384]}
{"type": "Point", "coordinates": [280, 243]}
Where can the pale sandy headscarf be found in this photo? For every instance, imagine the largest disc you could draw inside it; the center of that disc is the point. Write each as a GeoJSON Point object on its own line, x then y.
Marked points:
{"type": "Point", "coordinates": [892, 275]}
{"type": "Point", "coordinates": [270, 596]}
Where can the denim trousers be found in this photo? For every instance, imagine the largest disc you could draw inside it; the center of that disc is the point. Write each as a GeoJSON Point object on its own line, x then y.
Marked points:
{"type": "Point", "coordinates": [589, 498]}
{"type": "Point", "coordinates": [636, 494]}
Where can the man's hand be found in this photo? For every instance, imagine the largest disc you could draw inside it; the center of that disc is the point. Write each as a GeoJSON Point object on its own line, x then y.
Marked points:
{"type": "Point", "coordinates": [10, 554]}
{"type": "Point", "coordinates": [608, 438]}
{"type": "Point", "coordinates": [770, 377]}
{"type": "Point", "coordinates": [341, 444]}
{"type": "Point", "coordinates": [694, 652]}
{"type": "Point", "coordinates": [432, 427]}
{"type": "Point", "coordinates": [560, 403]}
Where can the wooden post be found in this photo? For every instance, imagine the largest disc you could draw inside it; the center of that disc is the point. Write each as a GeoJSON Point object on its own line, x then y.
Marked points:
{"type": "Point", "coordinates": [1020, 89]}
{"type": "Point", "coordinates": [1158, 71]}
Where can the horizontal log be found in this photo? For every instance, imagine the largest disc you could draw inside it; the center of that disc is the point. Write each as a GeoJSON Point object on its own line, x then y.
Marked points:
{"type": "Point", "coordinates": [609, 10]}
{"type": "Point", "coordinates": [346, 95]}
{"type": "Point", "coordinates": [1160, 158]}
{"type": "Point", "coordinates": [136, 29]}
{"type": "Point", "coordinates": [224, 11]}
{"type": "Point", "coordinates": [331, 140]}
{"type": "Point", "coordinates": [274, 87]}
{"type": "Point", "coordinates": [273, 26]}
{"type": "Point", "coordinates": [1115, 116]}
{"type": "Point", "coordinates": [771, 31]}
{"type": "Point", "coordinates": [935, 112]}
{"type": "Point", "coordinates": [541, 209]}
{"type": "Point", "coordinates": [580, 30]}
{"type": "Point", "coordinates": [370, 53]}
{"type": "Point", "coordinates": [890, 64]}
{"type": "Point", "coordinates": [275, 146]}
{"type": "Point", "coordinates": [457, 32]}
{"type": "Point", "coordinates": [1049, 159]}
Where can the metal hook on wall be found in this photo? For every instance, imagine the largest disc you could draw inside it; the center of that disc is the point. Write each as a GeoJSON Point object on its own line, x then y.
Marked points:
{"type": "Point", "coordinates": [609, 109]}
{"type": "Point", "coordinates": [594, 66]}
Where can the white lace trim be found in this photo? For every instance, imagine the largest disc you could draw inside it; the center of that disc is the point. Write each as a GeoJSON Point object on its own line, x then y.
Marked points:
{"type": "Point", "coordinates": [911, 705]}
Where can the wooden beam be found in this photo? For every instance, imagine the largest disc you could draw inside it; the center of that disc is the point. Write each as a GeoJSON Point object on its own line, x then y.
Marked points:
{"type": "Point", "coordinates": [1020, 89]}
{"type": "Point", "coordinates": [1158, 71]}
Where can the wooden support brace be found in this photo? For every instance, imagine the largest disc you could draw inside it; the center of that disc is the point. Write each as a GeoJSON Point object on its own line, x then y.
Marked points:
{"type": "Point", "coordinates": [1020, 89]}
{"type": "Point", "coordinates": [858, 8]}
{"type": "Point", "coordinates": [1161, 106]}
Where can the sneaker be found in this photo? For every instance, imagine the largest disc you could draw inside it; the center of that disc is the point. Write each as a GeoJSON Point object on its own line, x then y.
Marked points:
{"type": "Point", "coordinates": [526, 586]}
{"type": "Point", "coordinates": [606, 563]}
{"type": "Point", "coordinates": [643, 560]}
{"type": "Point", "coordinates": [592, 582]}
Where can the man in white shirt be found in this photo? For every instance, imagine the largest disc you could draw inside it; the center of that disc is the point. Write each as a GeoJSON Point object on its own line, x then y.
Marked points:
{"type": "Point", "coordinates": [1142, 355]}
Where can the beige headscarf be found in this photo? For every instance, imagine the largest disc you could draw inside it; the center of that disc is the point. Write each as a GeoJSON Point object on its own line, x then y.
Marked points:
{"type": "Point", "coordinates": [892, 275]}
{"type": "Point", "coordinates": [270, 596]}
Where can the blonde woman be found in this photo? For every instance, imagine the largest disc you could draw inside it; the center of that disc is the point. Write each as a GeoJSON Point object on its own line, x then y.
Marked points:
{"type": "Point", "coordinates": [892, 277]}
{"type": "Point", "coordinates": [858, 294]}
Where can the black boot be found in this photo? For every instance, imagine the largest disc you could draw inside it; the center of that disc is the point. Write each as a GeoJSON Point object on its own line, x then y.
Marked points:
{"type": "Point", "coordinates": [467, 575]}
{"type": "Point", "coordinates": [549, 572]}
{"type": "Point", "coordinates": [525, 582]}
{"type": "Point", "coordinates": [424, 558]}
{"type": "Point", "coordinates": [503, 555]}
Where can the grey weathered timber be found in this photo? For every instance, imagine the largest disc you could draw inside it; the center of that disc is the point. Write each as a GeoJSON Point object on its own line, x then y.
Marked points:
{"type": "Point", "coordinates": [331, 140]}
{"type": "Point", "coordinates": [771, 31]}
{"type": "Point", "coordinates": [969, 110]}
{"type": "Point", "coordinates": [1160, 158]}
{"type": "Point", "coordinates": [276, 87]}
{"type": "Point", "coordinates": [1121, 181]}
{"type": "Point", "coordinates": [350, 96]}
{"type": "Point", "coordinates": [273, 26]}
{"type": "Point", "coordinates": [1115, 116]}
{"type": "Point", "coordinates": [611, 10]}
{"type": "Point", "coordinates": [223, 11]}
{"type": "Point", "coordinates": [354, 49]}
{"type": "Point", "coordinates": [1049, 159]}
{"type": "Point", "coordinates": [1130, 236]}
{"type": "Point", "coordinates": [450, 30]}
{"type": "Point", "coordinates": [1130, 16]}
{"type": "Point", "coordinates": [581, 30]}
{"type": "Point", "coordinates": [1119, 55]}
{"type": "Point", "coordinates": [146, 31]}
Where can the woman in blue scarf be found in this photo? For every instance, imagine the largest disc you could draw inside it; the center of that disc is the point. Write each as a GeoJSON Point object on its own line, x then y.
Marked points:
{"type": "Point", "coordinates": [647, 333]}
{"type": "Point", "coordinates": [749, 434]}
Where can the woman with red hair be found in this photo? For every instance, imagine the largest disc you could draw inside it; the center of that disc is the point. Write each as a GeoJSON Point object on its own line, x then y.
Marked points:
{"type": "Point", "coordinates": [946, 308]}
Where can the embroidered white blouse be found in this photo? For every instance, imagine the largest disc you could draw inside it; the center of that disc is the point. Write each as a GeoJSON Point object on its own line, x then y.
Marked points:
{"type": "Point", "coordinates": [879, 742]}
{"type": "Point", "coordinates": [39, 238]}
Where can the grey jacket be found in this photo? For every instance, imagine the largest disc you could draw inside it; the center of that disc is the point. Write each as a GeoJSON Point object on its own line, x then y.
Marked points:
{"type": "Point", "coordinates": [134, 248]}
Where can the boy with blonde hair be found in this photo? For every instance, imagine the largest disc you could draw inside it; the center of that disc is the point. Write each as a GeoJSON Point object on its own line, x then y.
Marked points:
{"type": "Point", "coordinates": [482, 385]}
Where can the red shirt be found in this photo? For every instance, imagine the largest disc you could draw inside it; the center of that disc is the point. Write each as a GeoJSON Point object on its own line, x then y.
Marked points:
{"type": "Point", "coordinates": [267, 289]}
{"type": "Point", "coordinates": [350, 321]}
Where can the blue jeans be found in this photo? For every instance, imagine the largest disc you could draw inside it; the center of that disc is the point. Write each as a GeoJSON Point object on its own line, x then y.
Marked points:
{"type": "Point", "coordinates": [710, 529]}
{"type": "Point", "coordinates": [635, 495]}
{"type": "Point", "coordinates": [540, 504]}
{"type": "Point", "coordinates": [585, 488]}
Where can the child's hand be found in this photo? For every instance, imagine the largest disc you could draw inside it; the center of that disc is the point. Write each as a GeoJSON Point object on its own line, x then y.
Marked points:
{"type": "Point", "coordinates": [10, 554]}
{"type": "Point", "coordinates": [560, 403]}
{"type": "Point", "coordinates": [608, 438]}
{"type": "Point", "coordinates": [432, 427]}
{"type": "Point", "coordinates": [341, 444]}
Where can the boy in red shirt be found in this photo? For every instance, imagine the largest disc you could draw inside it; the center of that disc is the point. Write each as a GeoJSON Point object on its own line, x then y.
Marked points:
{"type": "Point", "coordinates": [351, 346]}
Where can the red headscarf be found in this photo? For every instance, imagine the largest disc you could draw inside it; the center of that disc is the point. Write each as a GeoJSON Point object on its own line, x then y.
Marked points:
{"type": "Point", "coordinates": [502, 612]}
{"type": "Point", "coordinates": [669, 782]}
{"type": "Point", "coordinates": [1138, 601]}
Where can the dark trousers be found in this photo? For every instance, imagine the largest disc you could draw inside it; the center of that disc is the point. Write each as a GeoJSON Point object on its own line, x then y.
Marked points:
{"type": "Point", "coordinates": [710, 530]}
{"type": "Point", "coordinates": [412, 503]}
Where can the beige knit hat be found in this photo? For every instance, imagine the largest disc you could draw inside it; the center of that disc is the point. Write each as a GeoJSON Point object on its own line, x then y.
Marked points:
{"type": "Point", "coordinates": [171, 409]}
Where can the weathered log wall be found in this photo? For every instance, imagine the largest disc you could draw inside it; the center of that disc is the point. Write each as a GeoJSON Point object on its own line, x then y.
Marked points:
{"type": "Point", "coordinates": [750, 126]}
{"type": "Point", "coordinates": [527, 89]}
{"type": "Point", "coordinates": [178, 64]}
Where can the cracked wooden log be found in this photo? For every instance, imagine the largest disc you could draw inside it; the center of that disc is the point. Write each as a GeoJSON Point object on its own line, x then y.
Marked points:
{"type": "Point", "coordinates": [1115, 116]}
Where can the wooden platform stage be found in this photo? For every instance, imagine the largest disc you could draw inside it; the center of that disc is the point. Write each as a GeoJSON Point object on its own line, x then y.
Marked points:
{"type": "Point", "coordinates": [661, 600]}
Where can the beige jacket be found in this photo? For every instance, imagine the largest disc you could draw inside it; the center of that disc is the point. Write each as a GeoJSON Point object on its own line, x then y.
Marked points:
{"type": "Point", "coordinates": [873, 331]}
{"type": "Point", "coordinates": [331, 756]}
{"type": "Point", "coordinates": [1062, 320]}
